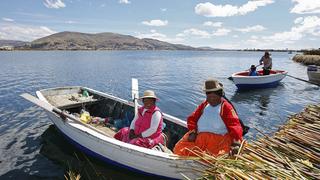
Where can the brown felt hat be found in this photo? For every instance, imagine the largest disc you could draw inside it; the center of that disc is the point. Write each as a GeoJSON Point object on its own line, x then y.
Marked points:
{"type": "Point", "coordinates": [212, 85]}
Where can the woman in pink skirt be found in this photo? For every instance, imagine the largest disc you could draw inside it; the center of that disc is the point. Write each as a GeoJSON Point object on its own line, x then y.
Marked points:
{"type": "Point", "coordinates": [146, 127]}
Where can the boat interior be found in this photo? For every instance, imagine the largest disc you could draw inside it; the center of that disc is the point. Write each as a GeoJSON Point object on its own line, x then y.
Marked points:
{"type": "Point", "coordinates": [106, 114]}
{"type": "Point", "coordinates": [260, 72]}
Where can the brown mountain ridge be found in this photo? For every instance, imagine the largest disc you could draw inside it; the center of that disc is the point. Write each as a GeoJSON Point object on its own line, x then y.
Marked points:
{"type": "Point", "coordinates": [101, 41]}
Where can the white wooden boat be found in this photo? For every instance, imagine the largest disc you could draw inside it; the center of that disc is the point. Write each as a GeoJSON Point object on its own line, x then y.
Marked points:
{"type": "Point", "coordinates": [314, 73]}
{"type": "Point", "coordinates": [243, 81]}
{"type": "Point", "coordinates": [98, 141]}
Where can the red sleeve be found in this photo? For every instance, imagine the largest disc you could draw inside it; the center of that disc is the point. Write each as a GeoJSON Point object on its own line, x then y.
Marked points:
{"type": "Point", "coordinates": [231, 120]}
{"type": "Point", "coordinates": [193, 118]}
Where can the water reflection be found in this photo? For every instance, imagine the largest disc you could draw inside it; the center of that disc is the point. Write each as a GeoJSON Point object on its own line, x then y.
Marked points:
{"type": "Point", "coordinates": [260, 97]}
{"type": "Point", "coordinates": [56, 148]}
{"type": "Point", "coordinates": [255, 108]}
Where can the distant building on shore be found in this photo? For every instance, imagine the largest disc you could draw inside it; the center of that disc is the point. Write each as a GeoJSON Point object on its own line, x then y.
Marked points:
{"type": "Point", "coordinates": [6, 48]}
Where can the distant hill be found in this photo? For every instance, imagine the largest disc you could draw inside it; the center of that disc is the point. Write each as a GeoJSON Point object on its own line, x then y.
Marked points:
{"type": "Point", "coordinates": [101, 41]}
{"type": "Point", "coordinates": [12, 43]}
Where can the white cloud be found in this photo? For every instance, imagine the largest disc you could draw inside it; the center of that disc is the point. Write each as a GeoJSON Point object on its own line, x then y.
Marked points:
{"type": "Point", "coordinates": [306, 6]}
{"type": "Point", "coordinates": [247, 29]}
{"type": "Point", "coordinates": [71, 22]}
{"type": "Point", "coordinates": [221, 32]}
{"type": "Point", "coordinates": [155, 22]}
{"type": "Point", "coordinates": [298, 20]}
{"type": "Point", "coordinates": [124, 2]}
{"type": "Point", "coordinates": [211, 10]}
{"type": "Point", "coordinates": [56, 4]}
{"type": "Point", "coordinates": [194, 32]}
{"type": "Point", "coordinates": [298, 37]}
{"type": "Point", "coordinates": [163, 9]}
{"type": "Point", "coordinates": [307, 25]}
{"type": "Point", "coordinates": [212, 24]}
{"type": "Point", "coordinates": [23, 32]}
{"type": "Point", "coordinates": [159, 36]}
{"type": "Point", "coordinates": [7, 19]}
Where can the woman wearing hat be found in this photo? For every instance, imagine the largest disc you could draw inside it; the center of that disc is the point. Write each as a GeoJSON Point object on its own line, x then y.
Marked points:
{"type": "Point", "coordinates": [214, 126]}
{"type": "Point", "coordinates": [146, 127]}
{"type": "Point", "coordinates": [266, 60]}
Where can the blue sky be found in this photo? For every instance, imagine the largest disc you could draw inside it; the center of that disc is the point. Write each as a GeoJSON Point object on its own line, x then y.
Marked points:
{"type": "Point", "coordinates": [277, 24]}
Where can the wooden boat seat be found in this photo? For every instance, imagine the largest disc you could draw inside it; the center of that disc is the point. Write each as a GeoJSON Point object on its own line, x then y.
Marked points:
{"type": "Point", "coordinates": [66, 101]}
{"type": "Point", "coordinates": [107, 130]}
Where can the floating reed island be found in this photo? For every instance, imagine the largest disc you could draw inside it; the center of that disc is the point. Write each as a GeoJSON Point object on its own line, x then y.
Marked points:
{"type": "Point", "coordinates": [308, 57]}
{"type": "Point", "coordinates": [292, 153]}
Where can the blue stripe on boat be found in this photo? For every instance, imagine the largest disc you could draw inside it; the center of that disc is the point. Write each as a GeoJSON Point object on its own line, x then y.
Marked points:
{"type": "Point", "coordinates": [109, 161]}
{"type": "Point", "coordinates": [258, 86]}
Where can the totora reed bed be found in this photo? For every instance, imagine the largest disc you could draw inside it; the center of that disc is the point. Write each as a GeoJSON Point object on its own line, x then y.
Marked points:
{"type": "Point", "coordinates": [307, 59]}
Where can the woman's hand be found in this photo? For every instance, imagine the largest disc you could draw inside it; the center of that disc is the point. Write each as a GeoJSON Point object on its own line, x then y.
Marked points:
{"type": "Point", "coordinates": [192, 137]}
{"type": "Point", "coordinates": [235, 146]}
{"type": "Point", "coordinates": [132, 135]}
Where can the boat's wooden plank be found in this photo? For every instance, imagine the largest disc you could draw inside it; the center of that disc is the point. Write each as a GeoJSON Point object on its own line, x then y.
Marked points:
{"type": "Point", "coordinates": [65, 101]}
{"type": "Point", "coordinates": [105, 129]}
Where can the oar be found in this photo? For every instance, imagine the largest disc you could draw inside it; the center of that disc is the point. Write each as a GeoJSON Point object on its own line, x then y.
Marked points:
{"type": "Point", "coordinates": [230, 78]}
{"type": "Point", "coordinates": [135, 94]}
{"type": "Point", "coordinates": [303, 80]}
{"type": "Point", "coordinates": [64, 115]}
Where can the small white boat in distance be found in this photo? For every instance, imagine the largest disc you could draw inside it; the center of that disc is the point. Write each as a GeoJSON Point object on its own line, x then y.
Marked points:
{"type": "Point", "coordinates": [314, 73]}
{"type": "Point", "coordinates": [64, 105]}
{"type": "Point", "coordinates": [243, 81]}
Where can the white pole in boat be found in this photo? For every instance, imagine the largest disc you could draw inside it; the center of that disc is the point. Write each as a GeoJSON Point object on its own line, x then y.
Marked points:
{"type": "Point", "coordinates": [135, 94]}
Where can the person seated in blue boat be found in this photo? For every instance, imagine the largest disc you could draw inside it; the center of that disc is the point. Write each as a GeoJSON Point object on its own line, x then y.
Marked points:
{"type": "Point", "coordinates": [146, 127]}
{"type": "Point", "coordinates": [253, 71]}
{"type": "Point", "coordinates": [266, 60]}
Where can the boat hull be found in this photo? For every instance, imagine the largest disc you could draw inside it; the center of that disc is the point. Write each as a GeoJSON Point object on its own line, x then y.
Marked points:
{"type": "Point", "coordinates": [124, 155]}
{"type": "Point", "coordinates": [243, 81]}
{"type": "Point", "coordinates": [314, 74]}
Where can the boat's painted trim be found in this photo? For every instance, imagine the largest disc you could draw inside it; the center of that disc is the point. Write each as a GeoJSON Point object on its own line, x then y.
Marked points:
{"type": "Point", "coordinates": [258, 86]}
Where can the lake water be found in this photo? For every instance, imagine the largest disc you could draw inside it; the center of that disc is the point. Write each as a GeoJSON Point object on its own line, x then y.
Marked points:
{"type": "Point", "coordinates": [31, 148]}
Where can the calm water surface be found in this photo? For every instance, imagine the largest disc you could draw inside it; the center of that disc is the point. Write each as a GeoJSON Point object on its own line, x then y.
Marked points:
{"type": "Point", "coordinates": [31, 148]}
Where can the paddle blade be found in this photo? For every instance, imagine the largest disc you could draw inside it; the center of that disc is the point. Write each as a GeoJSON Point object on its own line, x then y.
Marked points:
{"type": "Point", "coordinates": [135, 88]}
{"type": "Point", "coordinates": [37, 101]}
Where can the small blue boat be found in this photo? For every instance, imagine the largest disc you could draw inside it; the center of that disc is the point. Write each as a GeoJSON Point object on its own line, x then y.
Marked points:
{"type": "Point", "coordinates": [243, 81]}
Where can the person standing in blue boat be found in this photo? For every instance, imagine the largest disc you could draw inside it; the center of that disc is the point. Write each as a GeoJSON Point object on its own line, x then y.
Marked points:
{"type": "Point", "coordinates": [146, 127]}
{"type": "Point", "coordinates": [266, 60]}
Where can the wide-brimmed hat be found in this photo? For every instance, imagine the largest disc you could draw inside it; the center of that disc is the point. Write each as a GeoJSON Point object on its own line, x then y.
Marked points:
{"type": "Point", "coordinates": [149, 94]}
{"type": "Point", "coordinates": [212, 85]}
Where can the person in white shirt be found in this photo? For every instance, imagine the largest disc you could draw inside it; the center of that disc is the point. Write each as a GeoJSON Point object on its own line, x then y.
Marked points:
{"type": "Point", "coordinates": [266, 60]}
